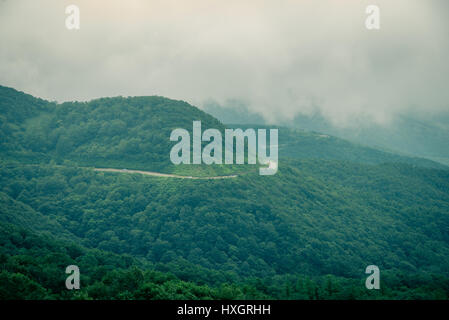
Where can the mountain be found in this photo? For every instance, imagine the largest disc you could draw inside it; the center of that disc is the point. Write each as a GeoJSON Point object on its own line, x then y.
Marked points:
{"type": "Point", "coordinates": [132, 133]}
{"type": "Point", "coordinates": [414, 135]}
{"type": "Point", "coordinates": [233, 111]}
{"type": "Point", "coordinates": [301, 144]}
{"type": "Point", "coordinates": [417, 135]}
{"type": "Point", "coordinates": [111, 132]}
{"type": "Point", "coordinates": [309, 231]}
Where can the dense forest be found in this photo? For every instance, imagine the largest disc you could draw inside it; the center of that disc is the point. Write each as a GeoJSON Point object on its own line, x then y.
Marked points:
{"type": "Point", "coordinates": [307, 232]}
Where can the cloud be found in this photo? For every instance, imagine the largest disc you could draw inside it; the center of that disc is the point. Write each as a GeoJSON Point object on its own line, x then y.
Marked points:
{"type": "Point", "coordinates": [280, 57]}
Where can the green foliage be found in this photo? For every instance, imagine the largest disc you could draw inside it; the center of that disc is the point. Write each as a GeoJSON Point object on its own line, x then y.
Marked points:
{"type": "Point", "coordinates": [300, 144]}
{"type": "Point", "coordinates": [319, 219]}
{"type": "Point", "coordinates": [307, 232]}
{"type": "Point", "coordinates": [110, 132]}
{"type": "Point", "coordinates": [32, 267]}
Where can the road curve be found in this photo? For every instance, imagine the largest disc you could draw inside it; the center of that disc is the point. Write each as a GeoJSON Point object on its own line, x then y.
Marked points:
{"type": "Point", "coordinates": [166, 175]}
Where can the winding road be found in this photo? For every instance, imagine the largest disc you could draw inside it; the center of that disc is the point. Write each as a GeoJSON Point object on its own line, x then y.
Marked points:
{"type": "Point", "coordinates": [167, 175]}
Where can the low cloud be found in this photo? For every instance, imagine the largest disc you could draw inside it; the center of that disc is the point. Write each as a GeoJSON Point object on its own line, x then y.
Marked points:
{"type": "Point", "coordinates": [279, 57]}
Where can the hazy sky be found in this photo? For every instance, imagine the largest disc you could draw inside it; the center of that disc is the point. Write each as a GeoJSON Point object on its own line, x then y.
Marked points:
{"type": "Point", "coordinates": [280, 57]}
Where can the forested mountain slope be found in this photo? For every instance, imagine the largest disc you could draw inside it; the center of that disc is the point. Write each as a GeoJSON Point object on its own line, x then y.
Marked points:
{"type": "Point", "coordinates": [422, 135]}
{"type": "Point", "coordinates": [323, 213]}
{"type": "Point", "coordinates": [327, 219]}
{"type": "Point", "coordinates": [300, 144]}
{"type": "Point", "coordinates": [116, 132]}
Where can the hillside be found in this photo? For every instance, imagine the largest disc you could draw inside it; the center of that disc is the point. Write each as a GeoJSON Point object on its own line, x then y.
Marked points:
{"type": "Point", "coordinates": [300, 144]}
{"type": "Point", "coordinates": [133, 133]}
{"type": "Point", "coordinates": [332, 209]}
{"type": "Point", "coordinates": [310, 216]}
{"type": "Point", "coordinates": [116, 132]}
{"type": "Point", "coordinates": [418, 135]}
{"type": "Point", "coordinates": [412, 134]}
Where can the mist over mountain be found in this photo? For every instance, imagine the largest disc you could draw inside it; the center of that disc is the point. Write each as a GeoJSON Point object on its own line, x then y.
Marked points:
{"type": "Point", "coordinates": [92, 91]}
{"type": "Point", "coordinates": [332, 208]}
{"type": "Point", "coordinates": [280, 59]}
{"type": "Point", "coordinates": [233, 112]}
{"type": "Point", "coordinates": [415, 134]}
{"type": "Point", "coordinates": [126, 132]}
{"type": "Point", "coordinates": [407, 134]}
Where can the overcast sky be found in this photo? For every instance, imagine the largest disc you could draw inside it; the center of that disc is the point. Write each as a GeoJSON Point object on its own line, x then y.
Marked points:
{"type": "Point", "coordinates": [280, 57]}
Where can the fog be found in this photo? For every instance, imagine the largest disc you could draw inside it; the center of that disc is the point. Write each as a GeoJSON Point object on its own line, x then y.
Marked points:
{"type": "Point", "coordinates": [279, 57]}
